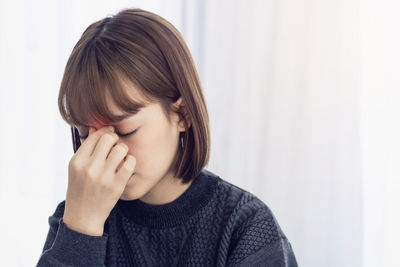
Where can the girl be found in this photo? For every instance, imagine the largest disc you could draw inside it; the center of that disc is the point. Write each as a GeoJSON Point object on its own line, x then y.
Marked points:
{"type": "Point", "coordinates": [138, 193]}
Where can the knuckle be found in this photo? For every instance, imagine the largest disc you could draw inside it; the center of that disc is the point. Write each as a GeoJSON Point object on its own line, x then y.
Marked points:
{"type": "Point", "coordinates": [90, 173]}
{"type": "Point", "coordinates": [74, 164]}
{"type": "Point", "coordinates": [122, 147]}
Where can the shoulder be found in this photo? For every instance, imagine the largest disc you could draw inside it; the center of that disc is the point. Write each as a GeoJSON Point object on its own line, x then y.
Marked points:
{"type": "Point", "coordinates": [251, 224]}
{"type": "Point", "coordinates": [245, 209]}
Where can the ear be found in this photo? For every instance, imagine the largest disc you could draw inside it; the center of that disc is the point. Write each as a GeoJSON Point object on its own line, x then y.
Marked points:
{"type": "Point", "coordinates": [183, 124]}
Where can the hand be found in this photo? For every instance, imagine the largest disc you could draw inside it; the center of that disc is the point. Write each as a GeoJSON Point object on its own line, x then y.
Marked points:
{"type": "Point", "coordinates": [97, 175]}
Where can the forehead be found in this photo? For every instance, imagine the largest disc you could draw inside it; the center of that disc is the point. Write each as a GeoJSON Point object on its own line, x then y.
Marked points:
{"type": "Point", "coordinates": [132, 92]}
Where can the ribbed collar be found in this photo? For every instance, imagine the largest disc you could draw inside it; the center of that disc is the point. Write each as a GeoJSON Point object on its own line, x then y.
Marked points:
{"type": "Point", "coordinates": [175, 212]}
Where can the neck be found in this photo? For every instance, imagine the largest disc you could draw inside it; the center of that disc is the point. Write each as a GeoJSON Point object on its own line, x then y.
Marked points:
{"type": "Point", "coordinates": [176, 211]}
{"type": "Point", "coordinates": [165, 191]}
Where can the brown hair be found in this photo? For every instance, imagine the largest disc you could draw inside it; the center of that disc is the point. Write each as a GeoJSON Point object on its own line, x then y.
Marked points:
{"type": "Point", "coordinates": [148, 51]}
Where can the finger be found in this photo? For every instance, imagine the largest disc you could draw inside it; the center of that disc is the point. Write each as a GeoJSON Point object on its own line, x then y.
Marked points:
{"type": "Point", "coordinates": [103, 148]}
{"type": "Point", "coordinates": [91, 130]}
{"type": "Point", "coordinates": [116, 157]}
{"type": "Point", "coordinates": [127, 169]}
{"type": "Point", "coordinates": [87, 147]}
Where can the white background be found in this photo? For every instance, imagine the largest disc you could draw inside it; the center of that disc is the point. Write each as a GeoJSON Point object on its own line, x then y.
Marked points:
{"type": "Point", "coordinates": [303, 97]}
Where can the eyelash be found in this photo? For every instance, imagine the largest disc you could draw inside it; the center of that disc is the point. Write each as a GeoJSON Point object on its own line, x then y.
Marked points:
{"type": "Point", "coordinates": [121, 135]}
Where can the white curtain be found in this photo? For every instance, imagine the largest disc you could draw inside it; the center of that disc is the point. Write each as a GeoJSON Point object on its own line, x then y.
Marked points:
{"type": "Point", "coordinates": [303, 99]}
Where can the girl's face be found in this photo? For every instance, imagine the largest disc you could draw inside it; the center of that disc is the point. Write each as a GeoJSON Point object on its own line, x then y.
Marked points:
{"type": "Point", "coordinates": [154, 145]}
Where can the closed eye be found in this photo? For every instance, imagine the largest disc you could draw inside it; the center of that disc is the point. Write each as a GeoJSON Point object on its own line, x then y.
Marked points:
{"type": "Point", "coordinates": [120, 135]}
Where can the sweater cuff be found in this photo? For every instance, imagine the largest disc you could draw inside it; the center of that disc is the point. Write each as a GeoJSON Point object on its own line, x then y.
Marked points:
{"type": "Point", "coordinates": [77, 248]}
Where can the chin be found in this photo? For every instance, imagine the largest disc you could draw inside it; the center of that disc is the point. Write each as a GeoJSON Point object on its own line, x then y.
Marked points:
{"type": "Point", "coordinates": [132, 192]}
{"type": "Point", "coordinates": [126, 195]}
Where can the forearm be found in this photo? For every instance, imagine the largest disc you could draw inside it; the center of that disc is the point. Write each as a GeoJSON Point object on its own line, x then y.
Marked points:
{"type": "Point", "coordinates": [74, 248]}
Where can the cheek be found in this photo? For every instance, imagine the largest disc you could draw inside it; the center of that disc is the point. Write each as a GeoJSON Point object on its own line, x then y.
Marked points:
{"type": "Point", "coordinates": [153, 149]}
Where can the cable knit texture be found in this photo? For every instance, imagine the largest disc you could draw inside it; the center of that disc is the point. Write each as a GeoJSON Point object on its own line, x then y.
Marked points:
{"type": "Point", "coordinates": [213, 223]}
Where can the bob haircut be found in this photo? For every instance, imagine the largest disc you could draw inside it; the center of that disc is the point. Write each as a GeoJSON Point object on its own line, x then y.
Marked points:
{"type": "Point", "coordinates": [145, 49]}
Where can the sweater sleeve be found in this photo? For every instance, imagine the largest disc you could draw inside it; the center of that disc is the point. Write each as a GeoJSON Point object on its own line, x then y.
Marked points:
{"type": "Point", "coordinates": [259, 241]}
{"type": "Point", "coordinates": [66, 247]}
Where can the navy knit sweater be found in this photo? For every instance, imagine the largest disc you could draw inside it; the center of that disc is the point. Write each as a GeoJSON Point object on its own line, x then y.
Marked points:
{"type": "Point", "coordinates": [213, 223]}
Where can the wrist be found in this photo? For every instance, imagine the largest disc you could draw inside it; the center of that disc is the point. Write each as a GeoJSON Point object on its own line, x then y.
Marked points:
{"type": "Point", "coordinates": [91, 229]}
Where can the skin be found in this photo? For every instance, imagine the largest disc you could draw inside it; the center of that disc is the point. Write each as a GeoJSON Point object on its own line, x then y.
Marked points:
{"type": "Point", "coordinates": [108, 167]}
{"type": "Point", "coordinates": [154, 145]}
